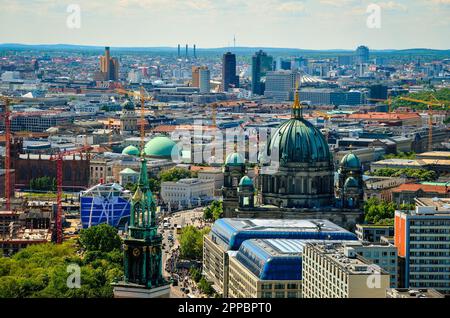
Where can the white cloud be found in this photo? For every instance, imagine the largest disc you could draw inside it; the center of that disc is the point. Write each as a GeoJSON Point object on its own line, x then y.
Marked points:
{"type": "Point", "coordinates": [392, 6]}
{"type": "Point", "coordinates": [292, 7]}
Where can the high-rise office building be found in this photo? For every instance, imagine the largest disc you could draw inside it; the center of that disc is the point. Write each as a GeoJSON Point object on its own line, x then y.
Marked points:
{"type": "Point", "coordinates": [362, 55]}
{"type": "Point", "coordinates": [229, 77]}
{"type": "Point", "coordinates": [204, 80]}
{"type": "Point", "coordinates": [196, 76]}
{"type": "Point", "coordinates": [261, 64]}
{"type": "Point", "coordinates": [280, 85]}
{"type": "Point", "coordinates": [378, 91]}
{"type": "Point", "coordinates": [422, 237]}
{"type": "Point", "coordinates": [109, 67]}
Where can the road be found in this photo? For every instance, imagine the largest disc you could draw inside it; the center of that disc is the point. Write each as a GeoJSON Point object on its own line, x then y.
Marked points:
{"type": "Point", "coordinates": [183, 218]}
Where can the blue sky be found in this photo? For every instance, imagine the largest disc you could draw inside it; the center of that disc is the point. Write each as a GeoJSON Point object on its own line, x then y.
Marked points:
{"type": "Point", "coordinates": [306, 24]}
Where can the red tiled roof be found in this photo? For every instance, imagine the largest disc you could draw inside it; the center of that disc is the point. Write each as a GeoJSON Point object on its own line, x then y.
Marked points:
{"type": "Point", "coordinates": [413, 187]}
{"type": "Point", "coordinates": [385, 116]}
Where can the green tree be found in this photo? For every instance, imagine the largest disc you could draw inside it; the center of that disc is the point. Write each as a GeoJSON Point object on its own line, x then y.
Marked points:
{"type": "Point", "coordinates": [100, 238]}
{"type": "Point", "coordinates": [205, 287]}
{"type": "Point", "coordinates": [175, 174]}
{"type": "Point", "coordinates": [214, 211]}
{"type": "Point", "coordinates": [195, 274]}
{"type": "Point", "coordinates": [191, 242]}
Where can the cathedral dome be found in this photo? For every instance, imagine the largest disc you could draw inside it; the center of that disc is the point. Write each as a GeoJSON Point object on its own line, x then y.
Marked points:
{"type": "Point", "coordinates": [246, 182]}
{"type": "Point", "coordinates": [351, 183]}
{"type": "Point", "coordinates": [351, 161]}
{"type": "Point", "coordinates": [161, 147]}
{"type": "Point", "coordinates": [131, 151]}
{"type": "Point", "coordinates": [234, 159]}
{"type": "Point", "coordinates": [297, 140]}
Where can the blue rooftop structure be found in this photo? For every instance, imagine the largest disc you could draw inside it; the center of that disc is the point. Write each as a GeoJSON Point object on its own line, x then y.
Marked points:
{"type": "Point", "coordinates": [231, 233]}
{"type": "Point", "coordinates": [274, 259]}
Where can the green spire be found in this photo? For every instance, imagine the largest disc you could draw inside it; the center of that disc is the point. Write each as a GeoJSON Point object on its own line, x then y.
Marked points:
{"type": "Point", "coordinates": [143, 205]}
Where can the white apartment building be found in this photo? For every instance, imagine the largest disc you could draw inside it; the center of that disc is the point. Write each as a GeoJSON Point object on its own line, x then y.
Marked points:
{"type": "Point", "coordinates": [187, 192]}
{"type": "Point", "coordinates": [336, 271]}
{"type": "Point", "coordinates": [383, 255]}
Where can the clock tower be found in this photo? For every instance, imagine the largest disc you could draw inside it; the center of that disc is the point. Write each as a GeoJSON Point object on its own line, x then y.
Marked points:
{"type": "Point", "coordinates": [142, 248]}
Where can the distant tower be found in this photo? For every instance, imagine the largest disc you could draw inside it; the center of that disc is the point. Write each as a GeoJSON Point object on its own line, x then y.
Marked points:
{"type": "Point", "coordinates": [109, 66]}
{"type": "Point", "coordinates": [186, 55]}
{"type": "Point", "coordinates": [142, 249]}
{"type": "Point", "coordinates": [362, 55]}
{"type": "Point", "coordinates": [179, 50]}
{"type": "Point", "coordinates": [195, 51]}
{"type": "Point", "coordinates": [261, 64]}
{"type": "Point", "coordinates": [229, 77]}
{"type": "Point", "coordinates": [234, 41]}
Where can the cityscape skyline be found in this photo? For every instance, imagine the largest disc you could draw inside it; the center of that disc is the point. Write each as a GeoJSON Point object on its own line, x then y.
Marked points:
{"type": "Point", "coordinates": [325, 24]}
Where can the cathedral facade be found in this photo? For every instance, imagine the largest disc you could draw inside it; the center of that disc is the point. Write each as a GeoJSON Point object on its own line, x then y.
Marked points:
{"type": "Point", "coordinates": [295, 179]}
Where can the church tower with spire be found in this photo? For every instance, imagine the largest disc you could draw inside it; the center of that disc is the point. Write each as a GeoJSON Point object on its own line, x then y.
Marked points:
{"type": "Point", "coordinates": [142, 248]}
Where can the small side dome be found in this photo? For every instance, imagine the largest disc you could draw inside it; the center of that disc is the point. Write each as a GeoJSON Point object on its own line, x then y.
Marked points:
{"type": "Point", "coordinates": [130, 151]}
{"type": "Point", "coordinates": [160, 147]}
{"type": "Point", "coordinates": [128, 105]}
{"type": "Point", "coordinates": [246, 182]}
{"type": "Point", "coordinates": [234, 159]}
{"type": "Point", "coordinates": [351, 183]}
{"type": "Point", "coordinates": [351, 161]}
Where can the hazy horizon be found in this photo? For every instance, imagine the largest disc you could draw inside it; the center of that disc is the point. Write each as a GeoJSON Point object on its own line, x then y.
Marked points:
{"type": "Point", "coordinates": [303, 24]}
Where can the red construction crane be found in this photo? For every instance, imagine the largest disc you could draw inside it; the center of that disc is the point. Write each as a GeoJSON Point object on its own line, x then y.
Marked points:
{"type": "Point", "coordinates": [59, 158]}
{"type": "Point", "coordinates": [8, 115]}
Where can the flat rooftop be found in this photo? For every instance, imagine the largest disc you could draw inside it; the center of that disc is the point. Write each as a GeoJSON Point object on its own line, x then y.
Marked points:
{"type": "Point", "coordinates": [354, 265]}
{"type": "Point", "coordinates": [233, 231]}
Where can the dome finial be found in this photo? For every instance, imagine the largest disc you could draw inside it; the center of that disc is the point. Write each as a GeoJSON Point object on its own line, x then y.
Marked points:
{"type": "Point", "coordinates": [297, 107]}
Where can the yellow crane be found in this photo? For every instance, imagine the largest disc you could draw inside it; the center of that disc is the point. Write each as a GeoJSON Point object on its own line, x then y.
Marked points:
{"type": "Point", "coordinates": [389, 102]}
{"type": "Point", "coordinates": [143, 96]}
{"type": "Point", "coordinates": [430, 115]}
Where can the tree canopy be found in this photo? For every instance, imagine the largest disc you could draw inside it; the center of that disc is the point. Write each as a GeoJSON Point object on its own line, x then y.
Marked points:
{"type": "Point", "coordinates": [381, 212]}
{"type": "Point", "coordinates": [443, 95]}
{"type": "Point", "coordinates": [176, 174]}
{"type": "Point", "coordinates": [44, 270]}
{"type": "Point", "coordinates": [213, 211]}
{"type": "Point", "coordinates": [191, 242]}
{"type": "Point", "coordinates": [419, 174]}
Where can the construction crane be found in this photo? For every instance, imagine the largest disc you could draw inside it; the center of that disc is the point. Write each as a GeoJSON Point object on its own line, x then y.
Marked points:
{"type": "Point", "coordinates": [7, 115]}
{"type": "Point", "coordinates": [143, 96]}
{"type": "Point", "coordinates": [7, 119]}
{"type": "Point", "coordinates": [389, 102]}
{"type": "Point", "coordinates": [59, 158]}
{"type": "Point", "coordinates": [430, 106]}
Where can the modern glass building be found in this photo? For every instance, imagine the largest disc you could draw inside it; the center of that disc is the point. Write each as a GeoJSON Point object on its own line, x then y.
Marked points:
{"type": "Point", "coordinates": [268, 268]}
{"type": "Point", "coordinates": [233, 232]}
{"type": "Point", "coordinates": [241, 256]}
{"type": "Point", "coordinates": [105, 203]}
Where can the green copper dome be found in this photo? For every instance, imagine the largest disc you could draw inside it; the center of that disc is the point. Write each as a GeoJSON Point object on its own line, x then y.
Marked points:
{"type": "Point", "coordinates": [246, 182]}
{"type": "Point", "coordinates": [297, 140]}
{"type": "Point", "coordinates": [351, 161]}
{"type": "Point", "coordinates": [234, 159]}
{"type": "Point", "coordinates": [160, 147]}
{"type": "Point", "coordinates": [131, 151]}
{"type": "Point", "coordinates": [351, 183]}
{"type": "Point", "coordinates": [128, 105]}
